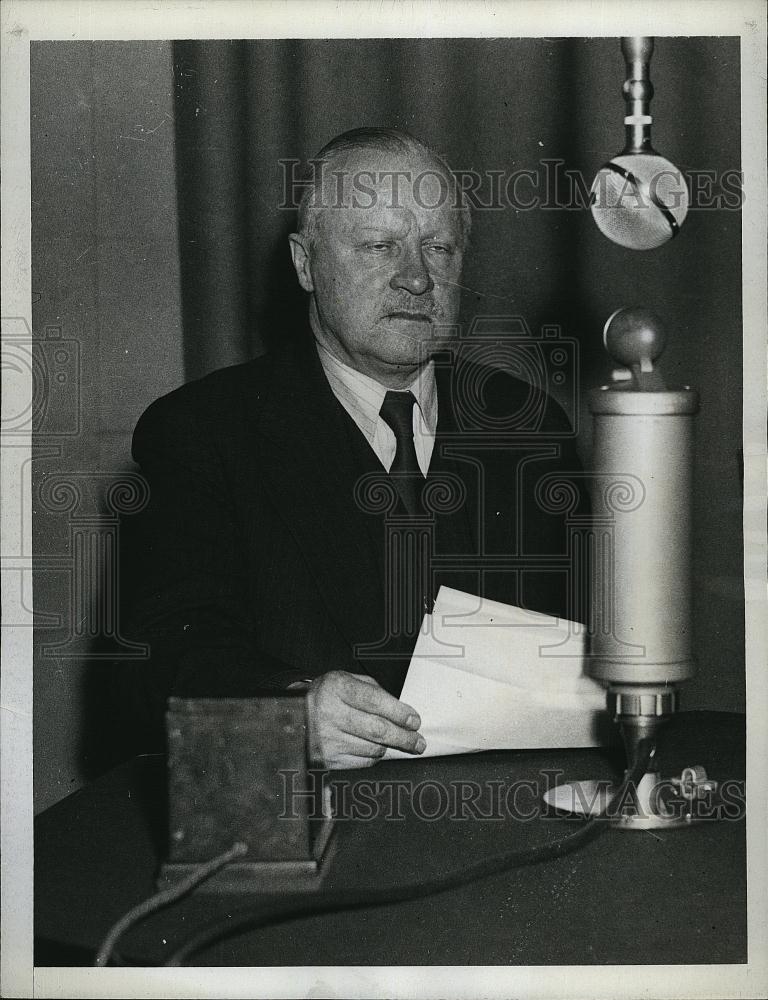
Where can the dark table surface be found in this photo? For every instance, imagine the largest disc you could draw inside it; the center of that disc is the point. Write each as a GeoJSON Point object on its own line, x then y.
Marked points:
{"type": "Point", "coordinates": [629, 897]}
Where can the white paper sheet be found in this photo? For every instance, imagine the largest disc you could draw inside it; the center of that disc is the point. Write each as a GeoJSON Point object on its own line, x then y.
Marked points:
{"type": "Point", "coordinates": [489, 676]}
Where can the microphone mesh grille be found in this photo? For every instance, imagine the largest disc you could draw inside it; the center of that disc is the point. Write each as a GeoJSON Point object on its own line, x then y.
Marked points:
{"type": "Point", "coordinates": [639, 201]}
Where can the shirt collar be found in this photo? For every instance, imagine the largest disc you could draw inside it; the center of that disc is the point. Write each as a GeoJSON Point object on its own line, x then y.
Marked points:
{"type": "Point", "coordinates": [424, 388]}
{"type": "Point", "coordinates": [366, 395]}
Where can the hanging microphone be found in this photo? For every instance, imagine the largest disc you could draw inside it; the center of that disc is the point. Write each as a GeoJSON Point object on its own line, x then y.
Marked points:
{"type": "Point", "coordinates": [639, 199]}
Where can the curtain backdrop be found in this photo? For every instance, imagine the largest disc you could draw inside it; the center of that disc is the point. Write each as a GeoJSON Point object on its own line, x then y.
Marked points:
{"type": "Point", "coordinates": [490, 104]}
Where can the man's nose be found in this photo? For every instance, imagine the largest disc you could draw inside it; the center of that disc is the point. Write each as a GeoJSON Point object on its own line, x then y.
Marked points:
{"type": "Point", "coordinates": [412, 273]}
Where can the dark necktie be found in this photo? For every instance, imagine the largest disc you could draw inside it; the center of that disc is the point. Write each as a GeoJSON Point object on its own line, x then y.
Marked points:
{"type": "Point", "coordinates": [397, 411]}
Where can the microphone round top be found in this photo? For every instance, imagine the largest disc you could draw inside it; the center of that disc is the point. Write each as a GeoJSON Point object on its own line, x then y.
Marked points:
{"type": "Point", "coordinates": [634, 335]}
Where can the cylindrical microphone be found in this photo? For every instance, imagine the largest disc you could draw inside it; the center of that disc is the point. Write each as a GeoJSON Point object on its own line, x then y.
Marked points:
{"type": "Point", "coordinates": [640, 554]}
{"type": "Point", "coordinates": [639, 199]}
{"type": "Point", "coordinates": [643, 466]}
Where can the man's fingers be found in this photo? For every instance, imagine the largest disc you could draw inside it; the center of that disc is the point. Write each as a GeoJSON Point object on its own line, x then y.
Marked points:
{"type": "Point", "coordinates": [352, 720]}
{"type": "Point", "coordinates": [373, 698]}
{"type": "Point", "coordinates": [352, 745]}
{"type": "Point", "coordinates": [382, 732]}
{"type": "Point", "coordinates": [346, 762]}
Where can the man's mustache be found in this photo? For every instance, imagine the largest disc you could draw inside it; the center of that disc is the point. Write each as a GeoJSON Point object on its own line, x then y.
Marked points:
{"type": "Point", "coordinates": [426, 308]}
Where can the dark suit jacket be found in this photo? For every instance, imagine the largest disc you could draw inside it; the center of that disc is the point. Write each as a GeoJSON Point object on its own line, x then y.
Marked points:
{"type": "Point", "coordinates": [254, 563]}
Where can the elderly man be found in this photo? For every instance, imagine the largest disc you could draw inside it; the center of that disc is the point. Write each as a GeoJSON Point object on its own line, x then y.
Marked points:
{"type": "Point", "coordinates": [265, 561]}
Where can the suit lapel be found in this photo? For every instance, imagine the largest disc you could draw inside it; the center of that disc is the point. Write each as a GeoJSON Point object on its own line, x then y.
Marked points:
{"type": "Point", "coordinates": [305, 459]}
{"type": "Point", "coordinates": [452, 456]}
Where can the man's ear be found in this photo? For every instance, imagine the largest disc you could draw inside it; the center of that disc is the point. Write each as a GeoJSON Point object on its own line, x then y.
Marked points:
{"type": "Point", "coordinates": [300, 255]}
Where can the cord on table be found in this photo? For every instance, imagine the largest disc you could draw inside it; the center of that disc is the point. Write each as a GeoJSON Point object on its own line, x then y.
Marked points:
{"type": "Point", "coordinates": [165, 898]}
{"type": "Point", "coordinates": [352, 899]}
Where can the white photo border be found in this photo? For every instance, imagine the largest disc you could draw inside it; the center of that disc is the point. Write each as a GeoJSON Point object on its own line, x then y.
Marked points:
{"type": "Point", "coordinates": [24, 21]}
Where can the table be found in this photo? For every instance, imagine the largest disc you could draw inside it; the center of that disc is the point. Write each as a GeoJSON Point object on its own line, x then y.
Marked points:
{"type": "Point", "coordinates": [650, 897]}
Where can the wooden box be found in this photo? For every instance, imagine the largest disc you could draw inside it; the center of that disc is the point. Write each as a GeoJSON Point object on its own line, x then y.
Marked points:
{"type": "Point", "coordinates": [238, 771]}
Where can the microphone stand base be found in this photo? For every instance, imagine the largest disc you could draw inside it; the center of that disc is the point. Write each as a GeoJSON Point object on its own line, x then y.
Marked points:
{"type": "Point", "coordinates": [654, 804]}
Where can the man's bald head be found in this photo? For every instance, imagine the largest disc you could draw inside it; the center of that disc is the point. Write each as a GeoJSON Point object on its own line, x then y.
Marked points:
{"type": "Point", "coordinates": [343, 168]}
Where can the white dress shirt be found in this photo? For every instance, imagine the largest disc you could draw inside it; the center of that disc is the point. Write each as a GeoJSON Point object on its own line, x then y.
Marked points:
{"type": "Point", "coordinates": [362, 398]}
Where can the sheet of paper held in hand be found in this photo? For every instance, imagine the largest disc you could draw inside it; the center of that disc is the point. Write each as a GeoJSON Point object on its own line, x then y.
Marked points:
{"type": "Point", "coordinates": [489, 676]}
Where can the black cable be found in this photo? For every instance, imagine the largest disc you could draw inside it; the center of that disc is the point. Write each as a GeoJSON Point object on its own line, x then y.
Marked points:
{"type": "Point", "coordinates": [165, 898]}
{"type": "Point", "coordinates": [352, 899]}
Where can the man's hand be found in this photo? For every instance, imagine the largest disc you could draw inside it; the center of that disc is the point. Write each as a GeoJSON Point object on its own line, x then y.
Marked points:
{"type": "Point", "coordinates": [352, 721]}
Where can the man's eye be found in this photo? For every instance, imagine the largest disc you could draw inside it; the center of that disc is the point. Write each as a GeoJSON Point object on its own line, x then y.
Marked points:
{"type": "Point", "coordinates": [379, 247]}
{"type": "Point", "coordinates": [439, 248]}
